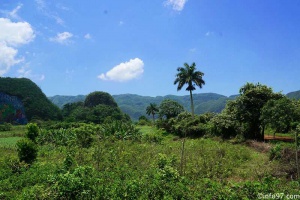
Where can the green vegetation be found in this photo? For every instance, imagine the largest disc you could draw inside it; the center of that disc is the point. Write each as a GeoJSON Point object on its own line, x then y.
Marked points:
{"type": "Point", "coordinates": [135, 105]}
{"type": "Point", "coordinates": [169, 109]}
{"type": "Point", "coordinates": [114, 167]}
{"type": "Point", "coordinates": [37, 105]}
{"type": "Point", "coordinates": [5, 127]}
{"type": "Point", "coordinates": [96, 152]}
{"type": "Point", "coordinates": [98, 107]}
{"type": "Point", "coordinates": [152, 109]}
{"type": "Point", "coordinates": [294, 95]}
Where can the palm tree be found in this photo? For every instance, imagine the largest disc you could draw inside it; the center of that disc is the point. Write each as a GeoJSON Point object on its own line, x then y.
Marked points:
{"type": "Point", "coordinates": [152, 109]}
{"type": "Point", "coordinates": [188, 75]}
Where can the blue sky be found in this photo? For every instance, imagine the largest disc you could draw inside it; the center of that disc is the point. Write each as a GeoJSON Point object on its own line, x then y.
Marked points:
{"type": "Point", "coordinates": [126, 46]}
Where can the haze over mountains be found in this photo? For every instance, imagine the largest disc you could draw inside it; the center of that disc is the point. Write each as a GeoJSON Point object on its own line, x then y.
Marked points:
{"type": "Point", "coordinates": [135, 105]}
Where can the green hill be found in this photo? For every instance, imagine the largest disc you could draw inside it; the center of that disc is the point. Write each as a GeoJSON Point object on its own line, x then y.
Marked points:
{"type": "Point", "coordinates": [135, 105]}
{"type": "Point", "coordinates": [35, 102]}
{"type": "Point", "coordinates": [60, 100]}
{"type": "Point", "coordinates": [294, 95]}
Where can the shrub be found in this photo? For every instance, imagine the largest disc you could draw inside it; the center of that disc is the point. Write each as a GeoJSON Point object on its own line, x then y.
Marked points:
{"type": "Point", "coordinates": [32, 131]}
{"type": "Point", "coordinates": [275, 152]}
{"type": "Point", "coordinates": [5, 127]}
{"type": "Point", "coordinates": [122, 130]}
{"type": "Point", "coordinates": [153, 137]}
{"type": "Point", "coordinates": [27, 150]}
{"type": "Point", "coordinates": [73, 185]}
{"type": "Point", "coordinates": [84, 136]}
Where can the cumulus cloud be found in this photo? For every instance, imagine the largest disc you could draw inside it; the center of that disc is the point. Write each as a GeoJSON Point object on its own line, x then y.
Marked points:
{"type": "Point", "coordinates": [15, 33]}
{"type": "Point", "coordinates": [126, 71]}
{"type": "Point", "coordinates": [87, 36]}
{"type": "Point", "coordinates": [62, 38]}
{"type": "Point", "coordinates": [12, 35]}
{"type": "Point", "coordinates": [176, 5]}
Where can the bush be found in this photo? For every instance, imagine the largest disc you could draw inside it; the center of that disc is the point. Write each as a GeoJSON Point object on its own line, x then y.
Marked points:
{"type": "Point", "coordinates": [73, 185]}
{"type": "Point", "coordinates": [275, 152]}
{"type": "Point", "coordinates": [153, 137]}
{"type": "Point", "coordinates": [5, 127]}
{"type": "Point", "coordinates": [122, 130]}
{"type": "Point", "coordinates": [27, 150]}
{"type": "Point", "coordinates": [32, 131]}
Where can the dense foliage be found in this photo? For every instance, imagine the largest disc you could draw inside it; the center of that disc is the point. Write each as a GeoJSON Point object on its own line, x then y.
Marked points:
{"type": "Point", "coordinates": [203, 156]}
{"type": "Point", "coordinates": [114, 167]}
{"type": "Point", "coordinates": [135, 105]}
{"type": "Point", "coordinates": [169, 109]}
{"type": "Point", "coordinates": [294, 95]}
{"type": "Point", "coordinates": [37, 105]}
{"type": "Point", "coordinates": [99, 98]}
{"type": "Point", "coordinates": [247, 108]}
{"type": "Point", "coordinates": [97, 108]}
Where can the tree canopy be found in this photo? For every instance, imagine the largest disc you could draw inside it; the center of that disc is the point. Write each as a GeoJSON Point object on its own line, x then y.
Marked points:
{"type": "Point", "coordinates": [248, 107]}
{"type": "Point", "coordinates": [97, 98]}
{"type": "Point", "coordinates": [188, 75]}
{"type": "Point", "coordinates": [169, 108]}
{"type": "Point", "coordinates": [97, 108]}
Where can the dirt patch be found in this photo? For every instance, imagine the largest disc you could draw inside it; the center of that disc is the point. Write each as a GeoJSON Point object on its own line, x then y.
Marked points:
{"type": "Point", "coordinates": [279, 138]}
{"type": "Point", "coordinates": [259, 146]}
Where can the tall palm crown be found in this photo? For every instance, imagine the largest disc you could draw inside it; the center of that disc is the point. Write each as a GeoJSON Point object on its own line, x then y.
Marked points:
{"type": "Point", "coordinates": [152, 109]}
{"type": "Point", "coordinates": [188, 75]}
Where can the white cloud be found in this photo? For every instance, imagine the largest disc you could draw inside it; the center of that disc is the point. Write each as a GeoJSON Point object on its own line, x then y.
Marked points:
{"type": "Point", "coordinates": [15, 33]}
{"type": "Point", "coordinates": [43, 8]}
{"type": "Point", "coordinates": [126, 71]}
{"type": "Point", "coordinates": [26, 72]}
{"type": "Point", "coordinates": [87, 36]}
{"type": "Point", "coordinates": [7, 58]}
{"type": "Point", "coordinates": [12, 35]}
{"type": "Point", "coordinates": [62, 38]}
{"type": "Point", "coordinates": [177, 5]}
{"type": "Point", "coordinates": [121, 23]}
{"type": "Point", "coordinates": [14, 13]}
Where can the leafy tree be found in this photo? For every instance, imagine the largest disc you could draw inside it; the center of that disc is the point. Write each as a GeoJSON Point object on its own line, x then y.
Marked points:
{"type": "Point", "coordinates": [248, 108]}
{"type": "Point", "coordinates": [169, 108]}
{"type": "Point", "coordinates": [27, 150]}
{"type": "Point", "coordinates": [96, 98]}
{"type": "Point", "coordinates": [32, 131]}
{"type": "Point", "coordinates": [70, 107]}
{"type": "Point", "coordinates": [152, 109]}
{"type": "Point", "coordinates": [279, 114]}
{"type": "Point", "coordinates": [188, 75]}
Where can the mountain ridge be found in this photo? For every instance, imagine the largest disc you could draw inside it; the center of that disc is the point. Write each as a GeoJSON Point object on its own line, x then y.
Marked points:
{"type": "Point", "coordinates": [135, 105]}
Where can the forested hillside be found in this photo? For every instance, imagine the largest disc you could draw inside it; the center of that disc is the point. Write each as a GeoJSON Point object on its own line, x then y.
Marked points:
{"type": "Point", "coordinates": [135, 105]}
{"type": "Point", "coordinates": [294, 95]}
{"type": "Point", "coordinates": [36, 104]}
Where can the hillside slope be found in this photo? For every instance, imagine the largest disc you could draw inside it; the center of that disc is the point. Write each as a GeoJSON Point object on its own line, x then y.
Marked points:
{"type": "Point", "coordinates": [36, 104]}
{"type": "Point", "coordinates": [294, 95]}
{"type": "Point", "coordinates": [135, 105]}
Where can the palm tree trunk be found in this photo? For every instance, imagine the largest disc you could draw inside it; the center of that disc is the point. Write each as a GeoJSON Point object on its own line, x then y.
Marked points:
{"type": "Point", "coordinates": [153, 119]}
{"type": "Point", "coordinates": [192, 103]}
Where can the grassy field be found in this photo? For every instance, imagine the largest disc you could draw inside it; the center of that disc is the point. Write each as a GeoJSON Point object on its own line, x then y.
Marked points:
{"type": "Point", "coordinates": [8, 139]}
{"type": "Point", "coordinates": [17, 131]}
{"type": "Point", "coordinates": [152, 168]}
